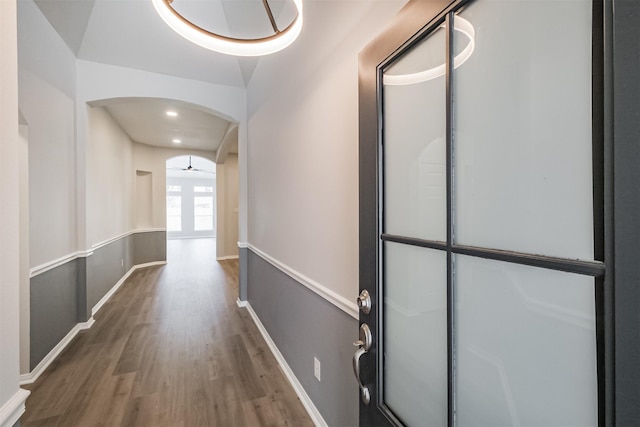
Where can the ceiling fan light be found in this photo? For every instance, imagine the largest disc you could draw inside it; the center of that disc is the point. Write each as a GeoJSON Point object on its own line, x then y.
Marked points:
{"type": "Point", "coordinates": [229, 45]}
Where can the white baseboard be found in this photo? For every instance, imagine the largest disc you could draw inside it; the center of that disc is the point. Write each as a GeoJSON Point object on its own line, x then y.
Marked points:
{"type": "Point", "coordinates": [123, 279]}
{"type": "Point", "coordinates": [224, 258]}
{"type": "Point", "coordinates": [33, 376]}
{"type": "Point", "coordinates": [13, 409]}
{"type": "Point", "coordinates": [315, 415]}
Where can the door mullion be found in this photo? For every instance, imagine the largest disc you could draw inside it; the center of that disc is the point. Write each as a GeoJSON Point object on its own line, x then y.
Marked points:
{"type": "Point", "coordinates": [449, 188]}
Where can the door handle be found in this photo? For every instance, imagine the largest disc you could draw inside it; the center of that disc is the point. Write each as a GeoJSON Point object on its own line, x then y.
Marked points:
{"type": "Point", "coordinates": [364, 390]}
{"type": "Point", "coordinates": [363, 344]}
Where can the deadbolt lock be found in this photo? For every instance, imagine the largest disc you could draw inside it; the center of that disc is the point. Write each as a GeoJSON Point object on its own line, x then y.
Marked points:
{"type": "Point", "coordinates": [364, 301]}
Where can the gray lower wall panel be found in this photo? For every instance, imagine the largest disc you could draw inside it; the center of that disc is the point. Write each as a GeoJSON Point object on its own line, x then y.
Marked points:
{"type": "Point", "coordinates": [65, 295]}
{"type": "Point", "coordinates": [304, 325]}
{"type": "Point", "coordinates": [53, 309]}
{"type": "Point", "coordinates": [109, 263]}
{"type": "Point", "coordinates": [149, 246]}
{"type": "Point", "coordinates": [81, 286]}
{"type": "Point", "coordinates": [243, 254]}
{"type": "Point", "coordinates": [105, 268]}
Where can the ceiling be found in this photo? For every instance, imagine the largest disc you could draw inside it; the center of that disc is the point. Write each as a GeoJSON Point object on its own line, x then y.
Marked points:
{"type": "Point", "coordinates": [145, 120]}
{"type": "Point", "coordinates": [131, 34]}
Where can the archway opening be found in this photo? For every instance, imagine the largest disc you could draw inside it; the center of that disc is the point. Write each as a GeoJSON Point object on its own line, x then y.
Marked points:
{"type": "Point", "coordinates": [191, 197]}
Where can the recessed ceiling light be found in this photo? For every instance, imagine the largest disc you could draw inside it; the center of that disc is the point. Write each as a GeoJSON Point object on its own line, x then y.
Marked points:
{"type": "Point", "coordinates": [177, 141]}
{"type": "Point", "coordinates": [172, 114]}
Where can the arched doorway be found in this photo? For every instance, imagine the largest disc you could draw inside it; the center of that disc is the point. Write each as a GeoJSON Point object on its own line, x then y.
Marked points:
{"type": "Point", "coordinates": [191, 197]}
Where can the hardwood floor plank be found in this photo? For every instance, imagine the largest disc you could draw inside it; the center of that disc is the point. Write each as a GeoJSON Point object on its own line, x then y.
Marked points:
{"type": "Point", "coordinates": [259, 412]}
{"type": "Point", "coordinates": [243, 369]}
{"type": "Point", "coordinates": [108, 409]}
{"type": "Point", "coordinates": [285, 403]}
{"type": "Point", "coordinates": [217, 361]}
{"type": "Point", "coordinates": [46, 422]}
{"type": "Point", "coordinates": [132, 352]}
{"type": "Point", "coordinates": [117, 394]}
{"type": "Point", "coordinates": [144, 411]}
{"type": "Point", "coordinates": [170, 348]}
{"type": "Point", "coordinates": [55, 389]}
{"type": "Point", "coordinates": [227, 402]}
{"type": "Point", "coordinates": [89, 395]}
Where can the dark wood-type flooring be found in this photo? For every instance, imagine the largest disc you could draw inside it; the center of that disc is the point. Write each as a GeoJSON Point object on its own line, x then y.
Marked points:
{"type": "Point", "coordinates": [170, 348]}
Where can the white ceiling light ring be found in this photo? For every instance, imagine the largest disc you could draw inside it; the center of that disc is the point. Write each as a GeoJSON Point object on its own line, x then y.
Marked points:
{"type": "Point", "coordinates": [461, 25]}
{"type": "Point", "coordinates": [230, 45]}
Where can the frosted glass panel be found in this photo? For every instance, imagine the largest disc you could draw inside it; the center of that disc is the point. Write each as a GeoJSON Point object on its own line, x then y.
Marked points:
{"type": "Point", "coordinates": [414, 144]}
{"type": "Point", "coordinates": [522, 132]}
{"type": "Point", "coordinates": [415, 328]}
{"type": "Point", "coordinates": [525, 346]}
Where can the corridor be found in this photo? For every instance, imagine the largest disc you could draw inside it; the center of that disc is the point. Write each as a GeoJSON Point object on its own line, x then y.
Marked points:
{"type": "Point", "coordinates": [170, 348]}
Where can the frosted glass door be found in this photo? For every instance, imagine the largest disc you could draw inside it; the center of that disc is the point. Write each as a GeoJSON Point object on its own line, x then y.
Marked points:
{"type": "Point", "coordinates": [523, 143]}
{"type": "Point", "coordinates": [415, 279]}
{"type": "Point", "coordinates": [525, 346]}
{"type": "Point", "coordinates": [415, 307]}
{"type": "Point", "coordinates": [414, 143]}
{"type": "Point", "coordinates": [525, 341]}
{"type": "Point", "coordinates": [488, 307]}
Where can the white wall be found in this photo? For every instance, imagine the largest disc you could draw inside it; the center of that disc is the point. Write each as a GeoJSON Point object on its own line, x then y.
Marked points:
{"type": "Point", "coordinates": [11, 399]}
{"type": "Point", "coordinates": [303, 146]}
{"type": "Point", "coordinates": [46, 99]}
{"type": "Point", "coordinates": [47, 159]}
{"type": "Point", "coordinates": [25, 279]}
{"type": "Point", "coordinates": [110, 178]}
{"type": "Point", "coordinates": [227, 206]}
{"type": "Point", "coordinates": [143, 200]}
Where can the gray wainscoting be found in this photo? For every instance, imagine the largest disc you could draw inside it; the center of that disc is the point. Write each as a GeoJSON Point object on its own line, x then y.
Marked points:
{"type": "Point", "coordinates": [243, 254]}
{"type": "Point", "coordinates": [149, 247]}
{"type": "Point", "coordinates": [54, 308]}
{"type": "Point", "coordinates": [65, 295]}
{"type": "Point", "coordinates": [304, 325]}
{"type": "Point", "coordinates": [84, 312]}
{"type": "Point", "coordinates": [105, 268]}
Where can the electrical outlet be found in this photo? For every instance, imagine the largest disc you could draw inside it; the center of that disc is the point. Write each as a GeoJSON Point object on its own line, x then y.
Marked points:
{"type": "Point", "coordinates": [316, 368]}
{"type": "Point", "coordinates": [122, 262]}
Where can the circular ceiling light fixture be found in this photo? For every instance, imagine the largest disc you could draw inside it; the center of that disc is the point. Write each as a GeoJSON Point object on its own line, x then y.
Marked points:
{"type": "Point", "coordinates": [461, 25]}
{"type": "Point", "coordinates": [231, 45]}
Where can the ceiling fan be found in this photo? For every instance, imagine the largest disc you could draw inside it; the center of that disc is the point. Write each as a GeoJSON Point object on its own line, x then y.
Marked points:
{"type": "Point", "coordinates": [190, 168]}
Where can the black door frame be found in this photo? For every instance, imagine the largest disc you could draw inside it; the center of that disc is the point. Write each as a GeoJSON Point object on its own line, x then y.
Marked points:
{"type": "Point", "coordinates": [617, 124]}
{"type": "Point", "coordinates": [411, 19]}
{"type": "Point", "coordinates": [622, 116]}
